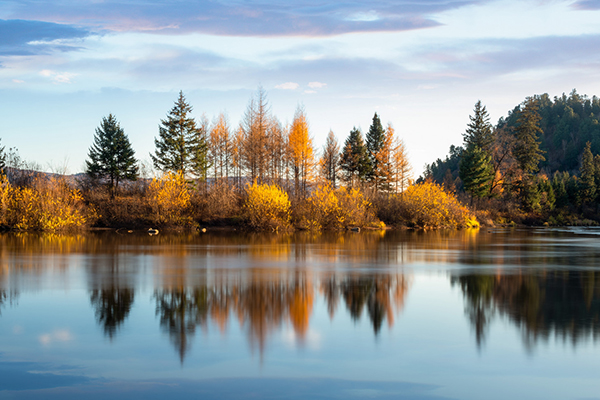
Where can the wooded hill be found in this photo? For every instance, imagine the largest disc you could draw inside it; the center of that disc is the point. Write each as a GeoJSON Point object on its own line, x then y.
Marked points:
{"type": "Point", "coordinates": [567, 123]}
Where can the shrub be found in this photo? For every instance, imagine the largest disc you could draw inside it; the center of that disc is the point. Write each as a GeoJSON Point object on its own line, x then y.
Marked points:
{"type": "Point", "coordinates": [169, 199]}
{"type": "Point", "coordinates": [328, 208]}
{"type": "Point", "coordinates": [427, 205]}
{"type": "Point", "coordinates": [267, 207]}
{"type": "Point", "coordinates": [47, 204]}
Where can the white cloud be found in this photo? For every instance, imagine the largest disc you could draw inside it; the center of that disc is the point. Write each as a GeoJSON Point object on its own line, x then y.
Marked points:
{"type": "Point", "coordinates": [57, 77]}
{"type": "Point", "coordinates": [18, 81]}
{"type": "Point", "coordinates": [60, 335]}
{"type": "Point", "coordinates": [310, 91]}
{"type": "Point", "coordinates": [316, 85]}
{"type": "Point", "coordinates": [287, 86]}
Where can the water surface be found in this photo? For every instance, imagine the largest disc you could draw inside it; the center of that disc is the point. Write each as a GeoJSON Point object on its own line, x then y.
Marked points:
{"type": "Point", "coordinates": [495, 314]}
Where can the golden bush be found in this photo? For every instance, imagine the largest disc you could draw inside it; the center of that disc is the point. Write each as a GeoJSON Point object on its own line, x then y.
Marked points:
{"type": "Point", "coordinates": [330, 208]}
{"type": "Point", "coordinates": [169, 199]}
{"type": "Point", "coordinates": [46, 204]}
{"type": "Point", "coordinates": [427, 205]}
{"type": "Point", "coordinates": [267, 207]}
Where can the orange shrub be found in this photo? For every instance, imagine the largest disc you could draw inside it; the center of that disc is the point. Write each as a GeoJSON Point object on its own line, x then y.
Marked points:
{"type": "Point", "coordinates": [169, 199]}
{"type": "Point", "coordinates": [267, 207]}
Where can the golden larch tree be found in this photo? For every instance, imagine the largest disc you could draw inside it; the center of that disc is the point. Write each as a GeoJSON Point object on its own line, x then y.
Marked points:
{"type": "Point", "coordinates": [301, 151]}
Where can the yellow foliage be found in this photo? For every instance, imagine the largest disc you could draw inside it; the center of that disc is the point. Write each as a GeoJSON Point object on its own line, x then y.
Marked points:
{"type": "Point", "coordinates": [427, 205]}
{"type": "Point", "coordinates": [47, 205]}
{"type": "Point", "coordinates": [267, 207]}
{"type": "Point", "coordinates": [169, 198]}
{"type": "Point", "coordinates": [337, 209]}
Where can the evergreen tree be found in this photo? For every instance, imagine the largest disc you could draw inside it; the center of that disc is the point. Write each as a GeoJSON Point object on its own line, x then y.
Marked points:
{"type": "Point", "coordinates": [586, 175]}
{"type": "Point", "coordinates": [354, 160]}
{"type": "Point", "coordinates": [375, 141]}
{"type": "Point", "coordinates": [479, 131]}
{"type": "Point", "coordinates": [111, 156]}
{"type": "Point", "coordinates": [527, 147]}
{"type": "Point", "coordinates": [181, 146]}
{"type": "Point", "coordinates": [476, 171]}
{"type": "Point", "coordinates": [2, 160]}
{"type": "Point", "coordinates": [559, 187]}
{"type": "Point", "coordinates": [330, 159]}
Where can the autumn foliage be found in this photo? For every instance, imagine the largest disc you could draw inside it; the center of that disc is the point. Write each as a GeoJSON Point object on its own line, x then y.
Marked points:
{"type": "Point", "coordinates": [169, 199]}
{"type": "Point", "coordinates": [427, 205]}
{"type": "Point", "coordinates": [47, 204]}
{"type": "Point", "coordinates": [267, 207]}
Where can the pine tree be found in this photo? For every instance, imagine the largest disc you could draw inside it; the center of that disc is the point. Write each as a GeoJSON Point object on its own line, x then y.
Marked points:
{"type": "Point", "coordinates": [375, 140]}
{"type": "Point", "coordinates": [354, 160]}
{"type": "Point", "coordinates": [2, 160]}
{"type": "Point", "coordinates": [527, 147]}
{"type": "Point", "coordinates": [181, 146]}
{"type": "Point", "coordinates": [586, 175]}
{"type": "Point", "coordinates": [330, 159]}
{"type": "Point", "coordinates": [111, 156]}
{"type": "Point", "coordinates": [479, 131]}
{"type": "Point", "coordinates": [476, 171]}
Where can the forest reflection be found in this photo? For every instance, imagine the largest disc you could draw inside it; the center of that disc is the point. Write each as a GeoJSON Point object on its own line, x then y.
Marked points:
{"type": "Point", "coordinates": [262, 307]}
{"type": "Point", "coordinates": [543, 282]}
{"type": "Point", "coordinates": [541, 303]}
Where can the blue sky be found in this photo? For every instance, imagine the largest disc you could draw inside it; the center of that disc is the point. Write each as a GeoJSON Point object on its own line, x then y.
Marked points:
{"type": "Point", "coordinates": [422, 65]}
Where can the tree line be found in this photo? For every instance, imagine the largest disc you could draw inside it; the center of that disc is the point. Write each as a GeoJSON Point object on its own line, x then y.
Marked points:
{"type": "Point", "coordinates": [259, 149]}
{"type": "Point", "coordinates": [542, 158]}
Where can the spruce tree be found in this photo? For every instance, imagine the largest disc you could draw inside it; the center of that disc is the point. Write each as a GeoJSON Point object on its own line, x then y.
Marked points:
{"type": "Point", "coordinates": [375, 141]}
{"type": "Point", "coordinates": [527, 147]}
{"type": "Point", "coordinates": [2, 160]}
{"type": "Point", "coordinates": [111, 156]}
{"type": "Point", "coordinates": [476, 171]}
{"type": "Point", "coordinates": [181, 145]}
{"type": "Point", "coordinates": [354, 160]}
{"type": "Point", "coordinates": [586, 175]}
{"type": "Point", "coordinates": [479, 131]}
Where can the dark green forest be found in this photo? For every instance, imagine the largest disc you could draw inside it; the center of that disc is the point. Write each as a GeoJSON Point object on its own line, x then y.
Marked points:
{"type": "Point", "coordinates": [540, 162]}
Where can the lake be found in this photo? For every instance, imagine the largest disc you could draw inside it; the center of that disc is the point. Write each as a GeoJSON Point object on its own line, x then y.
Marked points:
{"type": "Point", "coordinates": [488, 314]}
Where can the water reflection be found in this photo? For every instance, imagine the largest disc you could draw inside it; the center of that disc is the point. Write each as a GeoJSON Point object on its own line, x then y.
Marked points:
{"type": "Point", "coordinates": [541, 304]}
{"type": "Point", "coordinates": [543, 282]}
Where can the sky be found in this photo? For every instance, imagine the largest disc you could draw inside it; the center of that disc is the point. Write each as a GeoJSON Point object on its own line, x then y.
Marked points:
{"type": "Point", "coordinates": [420, 64]}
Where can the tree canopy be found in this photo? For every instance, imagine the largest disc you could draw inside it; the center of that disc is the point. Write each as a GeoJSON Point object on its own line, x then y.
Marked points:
{"type": "Point", "coordinates": [111, 156]}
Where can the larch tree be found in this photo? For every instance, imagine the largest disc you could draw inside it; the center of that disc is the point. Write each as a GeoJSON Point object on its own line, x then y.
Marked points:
{"type": "Point", "coordinates": [374, 140]}
{"type": "Point", "coordinates": [383, 174]}
{"type": "Point", "coordinates": [354, 159]}
{"type": "Point", "coordinates": [587, 174]}
{"type": "Point", "coordinates": [255, 126]}
{"type": "Point", "coordinates": [220, 147]}
{"type": "Point", "coordinates": [402, 170]}
{"type": "Point", "coordinates": [111, 157]}
{"type": "Point", "coordinates": [301, 151]}
{"type": "Point", "coordinates": [277, 146]}
{"type": "Point", "coordinates": [330, 159]}
{"type": "Point", "coordinates": [181, 145]}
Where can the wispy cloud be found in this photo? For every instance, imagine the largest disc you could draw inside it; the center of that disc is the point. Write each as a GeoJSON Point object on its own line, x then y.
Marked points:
{"type": "Point", "coordinates": [240, 18]}
{"type": "Point", "coordinates": [316, 85]}
{"type": "Point", "coordinates": [586, 5]}
{"type": "Point", "coordinates": [36, 37]}
{"type": "Point", "coordinates": [287, 86]}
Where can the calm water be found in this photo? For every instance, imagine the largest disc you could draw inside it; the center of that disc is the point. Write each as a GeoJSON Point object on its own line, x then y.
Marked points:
{"type": "Point", "coordinates": [494, 314]}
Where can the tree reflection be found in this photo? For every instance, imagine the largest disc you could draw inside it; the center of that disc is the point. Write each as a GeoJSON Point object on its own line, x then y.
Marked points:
{"type": "Point", "coordinates": [111, 307]}
{"type": "Point", "coordinates": [263, 305]}
{"type": "Point", "coordinates": [7, 297]}
{"type": "Point", "coordinates": [541, 303]}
